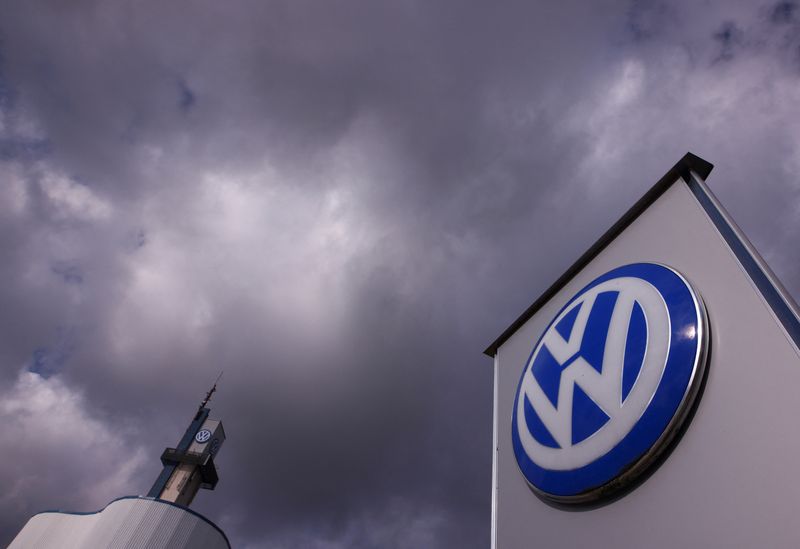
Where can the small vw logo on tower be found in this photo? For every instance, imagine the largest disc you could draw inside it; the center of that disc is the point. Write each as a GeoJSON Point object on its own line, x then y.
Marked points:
{"type": "Point", "coordinates": [202, 436]}
{"type": "Point", "coordinates": [609, 383]}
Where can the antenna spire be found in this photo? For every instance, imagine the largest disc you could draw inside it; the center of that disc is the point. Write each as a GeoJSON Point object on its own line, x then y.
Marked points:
{"type": "Point", "coordinates": [210, 392]}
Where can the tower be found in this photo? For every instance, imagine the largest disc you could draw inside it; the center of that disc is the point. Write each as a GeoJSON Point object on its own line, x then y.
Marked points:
{"type": "Point", "coordinates": [190, 466]}
{"type": "Point", "coordinates": [160, 520]}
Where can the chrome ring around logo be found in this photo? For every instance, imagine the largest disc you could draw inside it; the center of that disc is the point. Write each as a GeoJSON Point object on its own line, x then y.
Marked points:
{"type": "Point", "coordinates": [609, 383]}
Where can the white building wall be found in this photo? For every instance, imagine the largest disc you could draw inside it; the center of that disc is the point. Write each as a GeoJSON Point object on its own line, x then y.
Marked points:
{"type": "Point", "coordinates": [127, 523]}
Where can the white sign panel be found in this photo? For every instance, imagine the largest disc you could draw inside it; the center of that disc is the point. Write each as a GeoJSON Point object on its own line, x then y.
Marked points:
{"type": "Point", "coordinates": [644, 390]}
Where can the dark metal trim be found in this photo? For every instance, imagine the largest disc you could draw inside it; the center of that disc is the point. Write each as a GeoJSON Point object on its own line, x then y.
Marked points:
{"type": "Point", "coordinates": [171, 456]}
{"type": "Point", "coordinates": [689, 163]}
{"type": "Point", "coordinates": [779, 301]}
{"type": "Point", "coordinates": [208, 475]}
{"type": "Point", "coordinates": [205, 462]}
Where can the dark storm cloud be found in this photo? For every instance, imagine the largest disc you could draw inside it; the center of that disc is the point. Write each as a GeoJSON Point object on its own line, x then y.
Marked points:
{"type": "Point", "coordinates": [729, 37]}
{"type": "Point", "coordinates": [187, 97]}
{"type": "Point", "coordinates": [340, 204]}
{"type": "Point", "coordinates": [783, 12]}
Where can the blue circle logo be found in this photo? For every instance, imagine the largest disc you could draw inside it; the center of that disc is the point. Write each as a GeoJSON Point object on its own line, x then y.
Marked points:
{"type": "Point", "coordinates": [609, 383]}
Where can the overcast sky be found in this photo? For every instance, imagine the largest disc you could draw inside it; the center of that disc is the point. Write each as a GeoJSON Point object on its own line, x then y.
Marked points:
{"type": "Point", "coordinates": [339, 203]}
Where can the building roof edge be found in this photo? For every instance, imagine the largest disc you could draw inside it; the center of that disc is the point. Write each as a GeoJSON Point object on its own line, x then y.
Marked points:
{"type": "Point", "coordinates": [689, 163]}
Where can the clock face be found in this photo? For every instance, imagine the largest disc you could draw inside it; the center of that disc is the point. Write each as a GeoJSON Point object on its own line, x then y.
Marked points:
{"type": "Point", "coordinates": [202, 436]}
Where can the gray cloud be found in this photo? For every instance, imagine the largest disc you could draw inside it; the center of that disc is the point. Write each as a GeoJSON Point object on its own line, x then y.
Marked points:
{"type": "Point", "coordinates": [340, 204]}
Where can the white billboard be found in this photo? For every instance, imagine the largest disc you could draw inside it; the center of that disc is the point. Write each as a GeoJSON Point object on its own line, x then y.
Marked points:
{"type": "Point", "coordinates": [648, 398]}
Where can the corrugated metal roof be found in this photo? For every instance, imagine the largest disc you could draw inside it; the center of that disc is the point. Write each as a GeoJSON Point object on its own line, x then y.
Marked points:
{"type": "Point", "coordinates": [127, 523]}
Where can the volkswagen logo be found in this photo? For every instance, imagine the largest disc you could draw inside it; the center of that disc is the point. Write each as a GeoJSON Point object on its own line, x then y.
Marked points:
{"type": "Point", "coordinates": [202, 436]}
{"type": "Point", "coordinates": [609, 383]}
